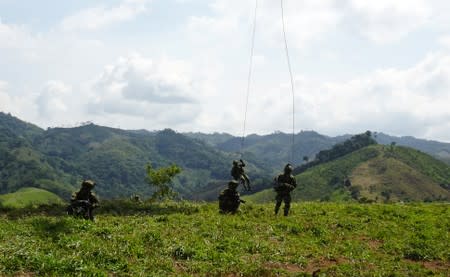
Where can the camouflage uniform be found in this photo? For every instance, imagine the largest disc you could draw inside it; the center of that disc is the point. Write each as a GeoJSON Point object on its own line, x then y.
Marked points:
{"type": "Point", "coordinates": [238, 174]}
{"type": "Point", "coordinates": [284, 184]}
{"type": "Point", "coordinates": [85, 194]}
{"type": "Point", "coordinates": [229, 199]}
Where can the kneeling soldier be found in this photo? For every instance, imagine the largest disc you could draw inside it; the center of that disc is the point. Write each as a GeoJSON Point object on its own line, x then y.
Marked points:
{"type": "Point", "coordinates": [229, 199]}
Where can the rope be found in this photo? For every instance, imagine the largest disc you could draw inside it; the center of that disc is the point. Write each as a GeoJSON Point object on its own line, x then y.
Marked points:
{"type": "Point", "coordinates": [249, 77]}
{"type": "Point", "coordinates": [292, 81]}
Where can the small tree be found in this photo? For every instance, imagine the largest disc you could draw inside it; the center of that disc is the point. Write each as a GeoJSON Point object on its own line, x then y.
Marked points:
{"type": "Point", "coordinates": [392, 145]}
{"type": "Point", "coordinates": [161, 179]}
{"type": "Point", "coordinates": [305, 159]}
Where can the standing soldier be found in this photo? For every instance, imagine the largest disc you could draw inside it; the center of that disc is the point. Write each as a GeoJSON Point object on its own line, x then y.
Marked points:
{"type": "Point", "coordinates": [238, 174]}
{"type": "Point", "coordinates": [284, 184]}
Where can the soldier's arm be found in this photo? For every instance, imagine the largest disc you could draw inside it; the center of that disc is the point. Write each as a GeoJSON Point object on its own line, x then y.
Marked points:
{"type": "Point", "coordinates": [294, 182]}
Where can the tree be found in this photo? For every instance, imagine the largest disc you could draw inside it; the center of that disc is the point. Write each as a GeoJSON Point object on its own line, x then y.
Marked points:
{"type": "Point", "coordinates": [305, 159]}
{"type": "Point", "coordinates": [161, 179]}
{"type": "Point", "coordinates": [392, 145]}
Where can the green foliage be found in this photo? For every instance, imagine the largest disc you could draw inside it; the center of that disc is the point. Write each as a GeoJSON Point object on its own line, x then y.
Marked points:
{"type": "Point", "coordinates": [188, 239]}
{"type": "Point", "coordinates": [161, 179]}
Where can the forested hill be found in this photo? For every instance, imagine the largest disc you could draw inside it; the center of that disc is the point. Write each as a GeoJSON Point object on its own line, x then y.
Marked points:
{"type": "Point", "coordinates": [57, 159]}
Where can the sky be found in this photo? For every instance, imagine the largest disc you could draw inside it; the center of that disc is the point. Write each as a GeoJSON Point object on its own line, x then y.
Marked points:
{"type": "Point", "coordinates": [357, 65]}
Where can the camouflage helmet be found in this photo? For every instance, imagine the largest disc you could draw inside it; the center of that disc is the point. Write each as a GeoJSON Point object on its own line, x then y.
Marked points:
{"type": "Point", "coordinates": [288, 169]}
{"type": "Point", "coordinates": [88, 184]}
{"type": "Point", "coordinates": [235, 162]}
{"type": "Point", "coordinates": [233, 184]}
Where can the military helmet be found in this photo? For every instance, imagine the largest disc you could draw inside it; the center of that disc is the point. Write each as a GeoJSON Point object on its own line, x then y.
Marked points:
{"type": "Point", "coordinates": [88, 184]}
{"type": "Point", "coordinates": [235, 162]}
{"type": "Point", "coordinates": [233, 184]}
{"type": "Point", "coordinates": [288, 169]}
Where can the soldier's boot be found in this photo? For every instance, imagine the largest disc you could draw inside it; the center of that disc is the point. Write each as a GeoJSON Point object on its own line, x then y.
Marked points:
{"type": "Point", "coordinates": [277, 207]}
{"type": "Point", "coordinates": [287, 206]}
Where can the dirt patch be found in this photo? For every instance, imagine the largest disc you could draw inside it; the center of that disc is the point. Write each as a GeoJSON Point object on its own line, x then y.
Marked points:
{"type": "Point", "coordinates": [179, 267]}
{"type": "Point", "coordinates": [314, 267]}
{"type": "Point", "coordinates": [291, 268]}
{"type": "Point", "coordinates": [373, 244]}
{"type": "Point", "coordinates": [435, 266]}
{"type": "Point", "coordinates": [317, 265]}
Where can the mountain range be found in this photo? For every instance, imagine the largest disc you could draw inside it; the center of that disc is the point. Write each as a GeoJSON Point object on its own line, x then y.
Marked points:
{"type": "Point", "coordinates": [57, 159]}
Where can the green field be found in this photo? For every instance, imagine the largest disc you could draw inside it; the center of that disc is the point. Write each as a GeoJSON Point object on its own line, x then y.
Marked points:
{"type": "Point", "coordinates": [130, 239]}
{"type": "Point", "coordinates": [25, 197]}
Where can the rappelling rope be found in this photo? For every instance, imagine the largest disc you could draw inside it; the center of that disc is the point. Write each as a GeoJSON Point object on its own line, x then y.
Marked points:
{"type": "Point", "coordinates": [292, 82]}
{"type": "Point", "coordinates": [249, 78]}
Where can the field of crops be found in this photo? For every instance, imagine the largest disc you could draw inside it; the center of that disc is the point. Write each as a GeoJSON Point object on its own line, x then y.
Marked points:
{"type": "Point", "coordinates": [185, 238]}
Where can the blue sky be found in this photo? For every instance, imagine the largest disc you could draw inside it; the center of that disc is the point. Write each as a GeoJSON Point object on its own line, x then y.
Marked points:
{"type": "Point", "coordinates": [182, 64]}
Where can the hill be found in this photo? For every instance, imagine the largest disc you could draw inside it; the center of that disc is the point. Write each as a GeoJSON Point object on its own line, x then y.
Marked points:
{"type": "Point", "coordinates": [437, 149]}
{"type": "Point", "coordinates": [26, 197]}
{"type": "Point", "coordinates": [374, 173]}
{"type": "Point", "coordinates": [58, 159]}
{"type": "Point", "coordinates": [187, 239]}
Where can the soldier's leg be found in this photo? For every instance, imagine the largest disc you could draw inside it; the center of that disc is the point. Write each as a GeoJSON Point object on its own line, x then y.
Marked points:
{"type": "Point", "coordinates": [278, 200]}
{"type": "Point", "coordinates": [91, 213]}
{"type": "Point", "coordinates": [287, 204]}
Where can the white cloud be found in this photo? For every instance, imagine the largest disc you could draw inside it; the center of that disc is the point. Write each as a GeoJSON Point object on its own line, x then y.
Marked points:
{"type": "Point", "coordinates": [101, 16]}
{"type": "Point", "coordinates": [15, 104]}
{"type": "Point", "coordinates": [385, 21]}
{"type": "Point", "coordinates": [16, 37]}
{"type": "Point", "coordinates": [53, 100]}
{"type": "Point", "coordinates": [5, 99]}
{"type": "Point", "coordinates": [444, 41]}
{"type": "Point", "coordinates": [162, 90]}
{"type": "Point", "coordinates": [402, 102]}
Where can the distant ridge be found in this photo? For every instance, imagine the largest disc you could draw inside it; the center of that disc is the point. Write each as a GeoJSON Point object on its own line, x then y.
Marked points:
{"type": "Point", "coordinates": [375, 173]}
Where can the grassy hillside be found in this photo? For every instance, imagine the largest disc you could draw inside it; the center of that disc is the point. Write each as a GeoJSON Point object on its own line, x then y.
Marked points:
{"type": "Point", "coordinates": [25, 197]}
{"type": "Point", "coordinates": [376, 173]}
{"type": "Point", "coordinates": [186, 239]}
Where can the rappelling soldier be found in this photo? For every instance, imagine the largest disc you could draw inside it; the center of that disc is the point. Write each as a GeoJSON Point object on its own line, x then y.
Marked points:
{"type": "Point", "coordinates": [284, 184]}
{"type": "Point", "coordinates": [238, 174]}
{"type": "Point", "coordinates": [229, 198]}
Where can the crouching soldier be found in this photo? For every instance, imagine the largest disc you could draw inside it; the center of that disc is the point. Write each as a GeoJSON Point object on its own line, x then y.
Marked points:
{"type": "Point", "coordinates": [84, 201]}
{"type": "Point", "coordinates": [284, 184]}
{"type": "Point", "coordinates": [229, 199]}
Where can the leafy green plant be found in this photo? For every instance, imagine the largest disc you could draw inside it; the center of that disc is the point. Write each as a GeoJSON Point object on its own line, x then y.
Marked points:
{"type": "Point", "coordinates": [161, 180]}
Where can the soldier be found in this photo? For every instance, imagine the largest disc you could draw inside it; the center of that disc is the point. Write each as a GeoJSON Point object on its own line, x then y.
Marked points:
{"type": "Point", "coordinates": [86, 199]}
{"type": "Point", "coordinates": [229, 199]}
{"type": "Point", "coordinates": [284, 184]}
{"type": "Point", "coordinates": [238, 174]}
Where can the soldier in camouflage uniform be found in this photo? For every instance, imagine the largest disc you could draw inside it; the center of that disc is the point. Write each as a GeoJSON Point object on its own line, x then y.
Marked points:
{"type": "Point", "coordinates": [284, 184]}
{"type": "Point", "coordinates": [229, 199]}
{"type": "Point", "coordinates": [86, 198]}
{"type": "Point", "coordinates": [238, 174]}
